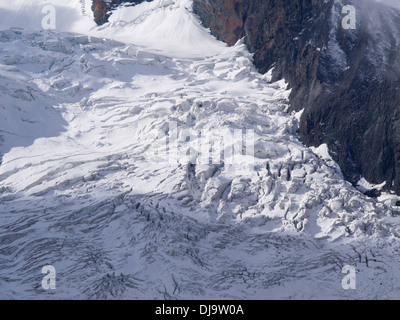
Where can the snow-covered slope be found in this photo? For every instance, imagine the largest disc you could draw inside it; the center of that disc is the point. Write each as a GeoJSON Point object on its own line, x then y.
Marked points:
{"type": "Point", "coordinates": [154, 26]}
{"type": "Point", "coordinates": [73, 16]}
{"type": "Point", "coordinates": [91, 183]}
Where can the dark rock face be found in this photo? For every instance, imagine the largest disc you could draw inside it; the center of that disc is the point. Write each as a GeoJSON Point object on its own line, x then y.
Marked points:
{"type": "Point", "coordinates": [347, 81]}
{"type": "Point", "coordinates": [101, 8]}
{"type": "Point", "coordinates": [99, 11]}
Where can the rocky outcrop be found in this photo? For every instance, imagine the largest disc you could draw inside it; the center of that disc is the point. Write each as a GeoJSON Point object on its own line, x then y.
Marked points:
{"type": "Point", "coordinates": [101, 8]}
{"type": "Point", "coordinates": [346, 80]}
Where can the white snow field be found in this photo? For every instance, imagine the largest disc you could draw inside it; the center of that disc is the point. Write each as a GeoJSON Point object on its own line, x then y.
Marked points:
{"type": "Point", "coordinates": [91, 182]}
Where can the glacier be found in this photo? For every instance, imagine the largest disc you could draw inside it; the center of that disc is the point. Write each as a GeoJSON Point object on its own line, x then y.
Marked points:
{"type": "Point", "coordinates": [86, 114]}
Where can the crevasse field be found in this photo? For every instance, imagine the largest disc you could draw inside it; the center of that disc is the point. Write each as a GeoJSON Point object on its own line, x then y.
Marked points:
{"type": "Point", "coordinates": [102, 176]}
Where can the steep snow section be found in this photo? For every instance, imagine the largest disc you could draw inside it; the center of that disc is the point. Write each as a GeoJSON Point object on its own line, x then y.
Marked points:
{"type": "Point", "coordinates": [155, 25]}
{"type": "Point", "coordinates": [111, 181]}
{"type": "Point", "coordinates": [393, 3]}
{"type": "Point", "coordinates": [152, 25]}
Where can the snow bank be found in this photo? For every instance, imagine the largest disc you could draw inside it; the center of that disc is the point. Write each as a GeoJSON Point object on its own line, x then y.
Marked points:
{"type": "Point", "coordinates": [159, 26]}
{"type": "Point", "coordinates": [163, 25]}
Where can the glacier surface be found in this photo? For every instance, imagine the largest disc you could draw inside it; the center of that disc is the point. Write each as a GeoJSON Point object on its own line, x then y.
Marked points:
{"type": "Point", "coordinates": [90, 183]}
